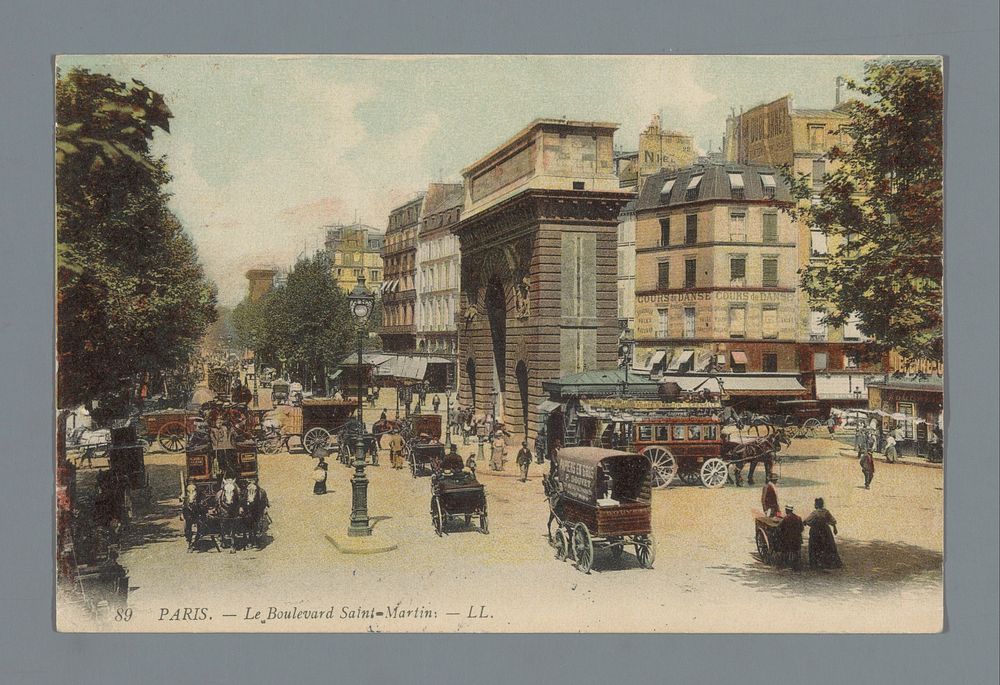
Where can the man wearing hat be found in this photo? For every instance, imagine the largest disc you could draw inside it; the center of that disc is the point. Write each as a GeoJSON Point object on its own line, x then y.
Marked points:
{"type": "Point", "coordinates": [396, 449]}
{"type": "Point", "coordinates": [790, 533]}
{"type": "Point", "coordinates": [769, 498]}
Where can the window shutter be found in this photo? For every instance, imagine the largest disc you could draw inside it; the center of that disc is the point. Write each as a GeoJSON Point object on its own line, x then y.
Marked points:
{"type": "Point", "coordinates": [770, 228]}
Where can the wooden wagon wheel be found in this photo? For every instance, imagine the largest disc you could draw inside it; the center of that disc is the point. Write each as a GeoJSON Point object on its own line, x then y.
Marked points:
{"type": "Point", "coordinates": [810, 427]}
{"type": "Point", "coordinates": [315, 438]}
{"type": "Point", "coordinates": [562, 545]}
{"type": "Point", "coordinates": [763, 546]}
{"type": "Point", "coordinates": [645, 550]}
{"type": "Point", "coordinates": [172, 436]}
{"type": "Point", "coordinates": [437, 516]}
{"type": "Point", "coordinates": [484, 522]}
{"type": "Point", "coordinates": [714, 473]}
{"type": "Point", "coordinates": [583, 548]}
{"type": "Point", "coordinates": [663, 463]}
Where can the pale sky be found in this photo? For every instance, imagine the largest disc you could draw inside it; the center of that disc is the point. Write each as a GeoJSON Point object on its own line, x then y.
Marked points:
{"type": "Point", "coordinates": [266, 150]}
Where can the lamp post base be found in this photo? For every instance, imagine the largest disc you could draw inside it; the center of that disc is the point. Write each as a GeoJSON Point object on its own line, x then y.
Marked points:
{"type": "Point", "coordinates": [369, 544]}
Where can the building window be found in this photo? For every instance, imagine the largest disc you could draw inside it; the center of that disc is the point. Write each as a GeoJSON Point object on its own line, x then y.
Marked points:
{"type": "Point", "coordinates": [668, 185]}
{"type": "Point", "coordinates": [737, 321]}
{"type": "Point", "coordinates": [769, 321]}
{"type": "Point", "coordinates": [661, 323]}
{"type": "Point", "coordinates": [738, 271]}
{"type": "Point", "coordinates": [738, 227]}
{"type": "Point", "coordinates": [817, 243]}
{"type": "Point", "coordinates": [769, 362]}
{"type": "Point", "coordinates": [770, 272]}
{"type": "Point", "coordinates": [818, 174]}
{"type": "Point", "coordinates": [689, 322]}
{"type": "Point", "coordinates": [770, 232]}
{"type": "Point", "coordinates": [816, 137]}
{"type": "Point", "coordinates": [692, 188]}
{"type": "Point", "coordinates": [691, 229]}
{"type": "Point", "coordinates": [850, 360]}
{"type": "Point", "coordinates": [663, 275]}
{"type": "Point", "coordinates": [817, 328]}
{"type": "Point", "coordinates": [578, 185]}
{"type": "Point", "coordinates": [690, 271]}
{"type": "Point", "coordinates": [819, 361]}
{"type": "Point", "coordinates": [851, 330]}
{"type": "Point", "coordinates": [664, 231]}
{"type": "Point", "coordinates": [767, 182]}
{"type": "Point", "coordinates": [736, 186]}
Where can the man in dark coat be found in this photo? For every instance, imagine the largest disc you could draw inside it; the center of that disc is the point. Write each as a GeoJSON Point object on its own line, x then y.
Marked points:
{"type": "Point", "coordinates": [524, 460]}
{"type": "Point", "coordinates": [822, 546]}
{"type": "Point", "coordinates": [867, 466]}
{"type": "Point", "coordinates": [790, 533]}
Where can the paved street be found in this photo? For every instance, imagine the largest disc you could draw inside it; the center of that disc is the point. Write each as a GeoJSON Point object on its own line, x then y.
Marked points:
{"type": "Point", "coordinates": [705, 557]}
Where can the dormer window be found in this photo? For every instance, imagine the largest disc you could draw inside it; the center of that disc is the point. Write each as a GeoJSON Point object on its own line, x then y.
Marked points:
{"type": "Point", "coordinates": [668, 186]}
{"type": "Point", "coordinates": [692, 187]}
{"type": "Point", "coordinates": [767, 181]}
{"type": "Point", "coordinates": [736, 186]}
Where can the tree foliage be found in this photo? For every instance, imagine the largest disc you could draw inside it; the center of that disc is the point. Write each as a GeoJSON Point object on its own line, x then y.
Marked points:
{"type": "Point", "coordinates": [133, 298]}
{"type": "Point", "coordinates": [882, 202]}
{"type": "Point", "coordinates": [304, 327]}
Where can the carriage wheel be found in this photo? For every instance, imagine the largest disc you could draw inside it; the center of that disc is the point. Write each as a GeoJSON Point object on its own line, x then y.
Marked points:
{"type": "Point", "coordinates": [810, 427]}
{"type": "Point", "coordinates": [172, 436]}
{"type": "Point", "coordinates": [663, 463]}
{"type": "Point", "coordinates": [714, 473]}
{"type": "Point", "coordinates": [315, 438]}
{"type": "Point", "coordinates": [484, 523]}
{"type": "Point", "coordinates": [583, 548]}
{"type": "Point", "coordinates": [562, 545]}
{"type": "Point", "coordinates": [437, 516]}
{"type": "Point", "coordinates": [763, 546]}
{"type": "Point", "coordinates": [645, 550]}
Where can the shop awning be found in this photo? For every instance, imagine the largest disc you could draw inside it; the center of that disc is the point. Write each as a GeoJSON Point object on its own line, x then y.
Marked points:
{"type": "Point", "coordinates": [741, 384]}
{"type": "Point", "coordinates": [547, 407]}
{"type": "Point", "coordinates": [841, 387]}
{"type": "Point", "coordinates": [336, 374]}
{"type": "Point", "coordinates": [739, 357]}
{"type": "Point", "coordinates": [657, 358]}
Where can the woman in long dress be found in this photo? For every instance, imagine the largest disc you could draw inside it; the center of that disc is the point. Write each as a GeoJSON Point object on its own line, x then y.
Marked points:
{"type": "Point", "coordinates": [822, 545]}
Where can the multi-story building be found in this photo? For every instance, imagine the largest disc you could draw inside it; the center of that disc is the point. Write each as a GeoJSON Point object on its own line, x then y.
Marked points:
{"type": "Point", "coordinates": [353, 249]}
{"type": "Point", "coordinates": [438, 270]}
{"type": "Point", "coordinates": [781, 135]}
{"type": "Point", "coordinates": [659, 150]}
{"type": "Point", "coordinates": [716, 270]}
{"type": "Point", "coordinates": [399, 296]}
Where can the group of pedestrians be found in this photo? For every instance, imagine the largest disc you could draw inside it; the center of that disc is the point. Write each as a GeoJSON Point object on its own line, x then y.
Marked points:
{"type": "Point", "coordinates": [823, 553]}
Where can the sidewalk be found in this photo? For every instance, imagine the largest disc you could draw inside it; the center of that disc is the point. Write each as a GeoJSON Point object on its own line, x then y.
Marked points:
{"type": "Point", "coordinates": [880, 459]}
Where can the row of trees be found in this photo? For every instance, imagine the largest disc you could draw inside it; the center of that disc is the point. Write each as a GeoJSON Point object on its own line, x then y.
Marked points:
{"type": "Point", "coordinates": [132, 297]}
{"type": "Point", "coordinates": [303, 328]}
{"type": "Point", "coordinates": [883, 203]}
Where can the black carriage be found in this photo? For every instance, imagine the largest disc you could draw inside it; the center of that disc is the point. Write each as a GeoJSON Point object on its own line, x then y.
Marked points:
{"type": "Point", "coordinates": [423, 443]}
{"type": "Point", "coordinates": [457, 495]}
{"type": "Point", "coordinates": [600, 499]}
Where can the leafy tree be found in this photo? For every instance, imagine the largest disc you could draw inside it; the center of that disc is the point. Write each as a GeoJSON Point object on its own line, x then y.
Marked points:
{"type": "Point", "coordinates": [882, 202]}
{"type": "Point", "coordinates": [133, 299]}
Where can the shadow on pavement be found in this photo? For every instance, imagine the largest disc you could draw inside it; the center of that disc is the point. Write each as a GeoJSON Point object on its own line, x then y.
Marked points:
{"type": "Point", "coordinates": [869, 566]}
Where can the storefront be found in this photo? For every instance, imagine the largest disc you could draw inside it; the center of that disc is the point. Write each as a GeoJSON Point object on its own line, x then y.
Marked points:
{"type": "Point", "coordinates": [915, 404]}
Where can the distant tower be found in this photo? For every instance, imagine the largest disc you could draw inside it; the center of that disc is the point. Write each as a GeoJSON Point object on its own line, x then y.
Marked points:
{"type": "Point", "coordinates": [261, 282]}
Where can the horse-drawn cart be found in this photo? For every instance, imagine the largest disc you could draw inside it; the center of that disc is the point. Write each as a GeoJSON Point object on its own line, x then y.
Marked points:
{"type": "Point", "coordinates": [313, 423]}
{"type": "Point", "coordinates": [169, 427]}
{"type": "Point", "coordinates": [423, 443]}
{"type": "Point", "coordinates": [600, 499]}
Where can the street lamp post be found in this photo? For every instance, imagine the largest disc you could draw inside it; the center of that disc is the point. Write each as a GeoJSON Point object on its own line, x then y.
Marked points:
{"type": "Point", "coordinates": [361, 301]}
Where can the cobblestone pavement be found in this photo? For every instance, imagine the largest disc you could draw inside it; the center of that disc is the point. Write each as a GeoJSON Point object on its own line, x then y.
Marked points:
{"type": "Point", "coordinates": [705, 577]}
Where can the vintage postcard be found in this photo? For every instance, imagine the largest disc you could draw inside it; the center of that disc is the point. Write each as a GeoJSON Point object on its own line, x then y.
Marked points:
{"type": "Point", "coordinates": [499, 343]}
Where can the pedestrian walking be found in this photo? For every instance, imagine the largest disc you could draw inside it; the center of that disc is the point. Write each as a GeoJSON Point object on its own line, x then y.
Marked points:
{"type": "Point", "coordinates": [890, 449]}
{"type": "Point", "coordinates": [867, 466]}
{"type": "Point", "coordinates": [436, 402]}
{"type": "Point", "coordinates": [396, 445]}
{"type": "Point", "coordinates": [319, 476]}
{"type": "Point", "coordinates": [822, 545]}
{"type": "Point", "coordinates": [769, 498]}
{"type": "Point", "coordinates": [524, 460]}
{"type": "Point", "coordinates": [470, 463]}
{"type": "Point", "coordinates": [498, 453]}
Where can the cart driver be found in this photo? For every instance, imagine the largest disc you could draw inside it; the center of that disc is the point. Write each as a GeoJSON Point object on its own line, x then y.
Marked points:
{"type": "Point", "coordinates": [453, 460]}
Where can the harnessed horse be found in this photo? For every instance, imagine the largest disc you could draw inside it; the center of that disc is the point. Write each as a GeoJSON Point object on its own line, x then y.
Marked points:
{"type": "Point", "coordinates": [763, 449]}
